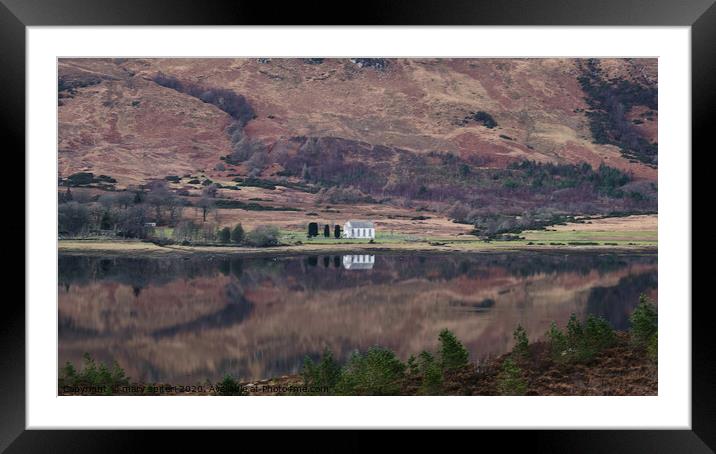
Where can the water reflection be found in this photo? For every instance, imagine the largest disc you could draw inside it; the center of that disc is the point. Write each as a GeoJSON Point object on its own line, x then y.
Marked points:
{"type": "Point", "coordinates": [187, 320]}
{"type": "Point", "coordinates": [358, 262]}
{"type": "Point", "coordinates": [349, 262]}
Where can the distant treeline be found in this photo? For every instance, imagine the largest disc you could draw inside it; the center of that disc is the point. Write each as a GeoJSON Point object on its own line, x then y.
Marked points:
{"type": "Point", "coordinates": [605, 180]}
{"type": "Point", "coordinates": [435, 179]}
{"type": "Point", "coordinates": [233, 104]}
{"type": "Point", "coordinates": [127, 214]}
{"type": "Point", "coordinates": [351, 171]}
{"type": "Point", "coordinates": [88, 178]}
{"type": "Point", "coordinates": [134, 214]}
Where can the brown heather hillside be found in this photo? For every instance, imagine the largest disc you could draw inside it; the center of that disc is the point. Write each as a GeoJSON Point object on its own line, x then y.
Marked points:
{"type": "Point", "coordinates": [129, 127]}
{"type": "Point", "coordinates": [399, 130]}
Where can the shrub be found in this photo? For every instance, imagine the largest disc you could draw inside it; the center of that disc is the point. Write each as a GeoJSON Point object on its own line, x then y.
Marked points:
{"type": "Point", "coordinates": [598, 335]}
{"type": "Point", "coordinates": [80, 178]}
{"type": "Point", "coordinates": [484, 118]}
{"type": "Point", "coordinates": [68, 372]}
{"type": "Point", "coordinates": [161, 241]}
{"type": "Point", "coordinates": [412, 365]}
{"type": "Point", "coordinates": [186, 230]}
{"type": "Point", "coordinates": [312, 229]}
{"type": "Point", "coordinates": [339, 194]}
{"type": "Point", "coordinates": [251, 206]}
{"type": "Point", "coordinates": [582, 342]}
{"type": "Point", "coordinates": [510, 184]}
{"type": "Point", "coordinates": [72, 218]}
{"type": "Point", "coordinates": [255, 182]}
{"type": "Point", "coordinates": [104, 179]}
{"type": "Point", "coordinates": [225, 235]}
{"type": "Point", "coordinates": [132, 222]}
{"type": "Point", "coordinates": [432, 375]}
{"type": "Point", "coordinates": [237, 234]}
{"type": "Point", "coordinates": [229, 386]}
{"type": "Point", "coordinates": [93, 374]}
{"type": "Point", "coordinates": [257, 162]}
{"type": "Point", "coordinates": [644, 322]}
{"type": "Point", "coordinates": [263, 236]}
{"type": "Point", "coordinates": [453, 354]}
{"type": "Point", "coordinates": [652, 348]}
{"type": "Point", "coordinates": [377, 372]}
{"type": "Point", "coordinates": [557, 342]}
{"type": "Point", "coordinates": [244, 150]}
{"type": "Point", "coordinates": [233, 104]}
{"type": "Point", "coordinates": [325, 374]}
{"type": "Point", "coordinates": [510, 381]}
{"type": "Point", "coordinates": [66, 196]}
{"type": "Point", "coordinates": [374, 63]}
{"type": "Point", "coordinates": [521, 349]}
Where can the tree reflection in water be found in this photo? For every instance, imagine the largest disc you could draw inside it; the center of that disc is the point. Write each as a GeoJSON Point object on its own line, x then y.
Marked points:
{"type": "Point", "coordinates": [187, 320]}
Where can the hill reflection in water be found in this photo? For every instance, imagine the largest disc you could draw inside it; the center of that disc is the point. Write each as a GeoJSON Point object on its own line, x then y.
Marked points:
{"type": "Point", "coordinates": [185, 320]}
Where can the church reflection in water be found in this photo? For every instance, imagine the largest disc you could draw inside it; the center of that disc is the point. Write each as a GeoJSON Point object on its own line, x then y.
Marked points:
{"type": "Point", "coordinates": [358, 262]}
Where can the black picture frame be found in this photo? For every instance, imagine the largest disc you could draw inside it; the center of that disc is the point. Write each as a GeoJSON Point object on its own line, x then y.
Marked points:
{"type": "Point", "coordinates": [16, 15]}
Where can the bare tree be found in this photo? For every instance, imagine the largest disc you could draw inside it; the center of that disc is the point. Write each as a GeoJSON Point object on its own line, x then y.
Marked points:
{"type": "Point", "coordinates": [124, 198]}
{"type": "Point", "coordinates": [132, 222]}
{"type": "Point", "coordinates": [258, 161]}
{"type": "Point", "coordinates": [158, 197]}
{"type": "Point", "coordinates": [206, 204]}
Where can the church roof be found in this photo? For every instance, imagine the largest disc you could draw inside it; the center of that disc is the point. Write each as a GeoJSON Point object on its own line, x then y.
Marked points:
{"type": "Point", "coordinates": [361, 224]}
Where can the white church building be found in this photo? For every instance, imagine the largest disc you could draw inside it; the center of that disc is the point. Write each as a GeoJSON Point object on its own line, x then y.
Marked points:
{"type": "Point", "coordinates": [359, 229]}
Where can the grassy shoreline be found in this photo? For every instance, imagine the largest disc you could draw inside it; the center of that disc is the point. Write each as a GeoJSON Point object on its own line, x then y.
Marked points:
{"type": "Point", "coordinates": [139, 248]}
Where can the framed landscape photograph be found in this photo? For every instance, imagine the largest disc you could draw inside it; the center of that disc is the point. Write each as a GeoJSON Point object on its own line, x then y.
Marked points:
{"type": "Point", "coordinates": [377, 226]}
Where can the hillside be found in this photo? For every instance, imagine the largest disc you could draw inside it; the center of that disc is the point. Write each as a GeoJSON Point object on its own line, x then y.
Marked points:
{"type": "Point", "coordinates": [411, 133]}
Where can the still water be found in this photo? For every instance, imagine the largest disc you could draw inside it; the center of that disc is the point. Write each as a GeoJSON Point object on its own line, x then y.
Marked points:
{"type": "Point", "coordinates": [186, 320]}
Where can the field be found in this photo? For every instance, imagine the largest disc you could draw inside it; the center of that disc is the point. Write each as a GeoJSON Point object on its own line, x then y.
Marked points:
{"type": "Point", "coordinates": [632, 232]}
{"type": "Point", "coordinates": [398, 224]}
{"type": "Point", "coordinates": [640, 230]}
